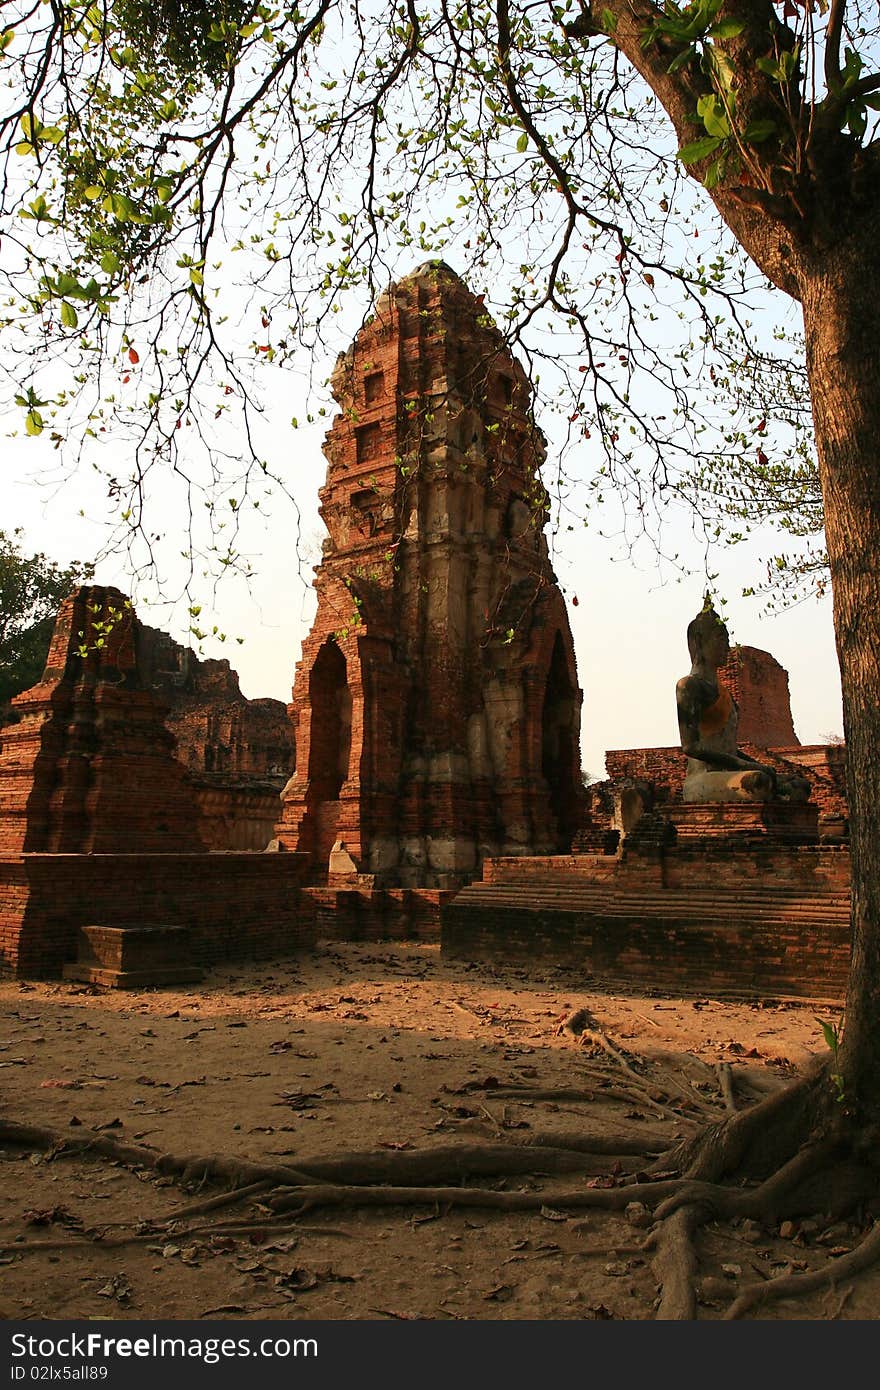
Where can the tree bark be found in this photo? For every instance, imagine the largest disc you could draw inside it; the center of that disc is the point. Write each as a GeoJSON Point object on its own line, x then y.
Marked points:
{"type": "Point", "coordinates": [819, 243]}
{"type": "Point", "coordinates": [842, 325]}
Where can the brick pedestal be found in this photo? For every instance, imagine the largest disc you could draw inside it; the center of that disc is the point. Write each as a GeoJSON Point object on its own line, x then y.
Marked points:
{"type": "Point", "coordinates": [786, 822]}
{"type": "Point", "coordinates": [133, 957]}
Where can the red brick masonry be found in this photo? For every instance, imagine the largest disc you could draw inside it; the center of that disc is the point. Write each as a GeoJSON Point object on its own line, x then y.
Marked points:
{"type": "Point", "coordinates": [745, 919]}
{"type": "Point", "coordinates": [436, 705]}
{"type": "Point", "coordinates": [237, 906]}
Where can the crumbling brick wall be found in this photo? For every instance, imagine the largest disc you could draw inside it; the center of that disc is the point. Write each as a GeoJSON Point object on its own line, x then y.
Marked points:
{"type": "Point", "coordinates": [759, 685]}
{"type": "Point", "coordinates": [218, 730]}
{"type": "Point", "coordinates": [88, 767]}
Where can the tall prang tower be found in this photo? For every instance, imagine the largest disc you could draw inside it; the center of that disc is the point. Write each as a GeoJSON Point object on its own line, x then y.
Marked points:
{"type": "Point", "coordinates": [436, 704]}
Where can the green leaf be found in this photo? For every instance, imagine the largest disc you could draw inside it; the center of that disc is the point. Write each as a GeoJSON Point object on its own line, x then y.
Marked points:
{"type": "Point", "coordinates": [522, 143]}
{"type": "Point", "coordinates": [757, 131]}
{"type": "Point", "coordinates": [685, 57]}
{"type": "Point", "coordinates": [830, 1034]}
{"type": "Point", "coordinates": [110, 263]}
{"type": "Point", "coordinates": [711, 111]}
{"type": "Point", "coordinates": [122, 208]}
{"type": "Point", "coordinates": [698, 149]}
{"type": "Point", "coordinates": [34, 422]}
{"type": "Point", "coordinates": [715, 172]}
{"type": "Point", "coordinates": [68, 285]}
{"type": "Point", "coordinates": [93, 192]}
{"type": "Point", "coordinates": [770, 68]}
{"type": "Point", "coordinates": [196, 276]}
{"type": "Point", "coordinates": [68, 315]}
{"type": "Point", "coordinates": [726, 29]}
{"type": "Point", "coordinates": [857, 120]}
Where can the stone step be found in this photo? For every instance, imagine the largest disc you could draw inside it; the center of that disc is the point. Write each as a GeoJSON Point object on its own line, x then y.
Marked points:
{"type": "Point", "coordinates": [605, 890]}
{"type": "Point", "coordinates": [762, 907]}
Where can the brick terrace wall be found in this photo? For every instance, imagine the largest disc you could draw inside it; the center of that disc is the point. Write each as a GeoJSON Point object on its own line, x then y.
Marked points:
{"type": "Point", "coordinates": [824, 764]}
{"type": "Point", "coordinates": [652, 952]}
{"type": "Point", "coordinates": [664, 768]}
{"type": "Point", "coordinates": [805, 952]}
{"type": "Point", "coordinates": [237, 906]}
{"type": "Point", "coordinates": [396, 914]}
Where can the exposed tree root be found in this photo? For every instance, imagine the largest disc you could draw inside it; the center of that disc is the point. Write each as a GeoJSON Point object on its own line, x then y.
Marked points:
{"type": "Point", "coordinates": [725, 1085]}
{"type": "Point", "coordinates": [235, 1172]}
{"type": "Point", "coordinates": [794, 1142]}
{"type": "Point", "coordinates": [762, 1202]}
{"type": "Point", "coordinates": [630, 1095]}
{"type": "Point", "coordinates": [675, 1264]}
{"type": "Point", "coordinates": [760, 1137]}
{"type": "Point", "coordinates": [642, 1144]}
{"type": "Point", "coordinates": [596, 1198]}
{"type": "Point", "coordinates": [543, 1153]}
{"type": "Point", "coordinates": [585, 1028]}
{"type": "Point", "coordinates": [223, 1199]}
{"type": "Point", "coordinates": [796, 1285]}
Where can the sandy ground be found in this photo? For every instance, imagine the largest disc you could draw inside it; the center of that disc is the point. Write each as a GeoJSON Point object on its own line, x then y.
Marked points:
{"type": "Point", "coordinates": [384, 1047]}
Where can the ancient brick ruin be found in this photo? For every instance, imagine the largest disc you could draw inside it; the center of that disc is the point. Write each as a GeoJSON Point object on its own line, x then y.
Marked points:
{"type": "Point", "coordinates": [239, 752]}
{"type": "Point", "coordinates": [436, 713]}
{"type": "Point", "coordinates": [99, 825]}
{"type": "Point", "coordinates": [88, 767]}
{"type": "Point", "coordinates": [760, 687]}
{"type": "Point", "coordinates": [743, 898]}
{"type": "Point", "coordinates": [436, 705]}
{"type": "Point", "coordinates": [217, 730]}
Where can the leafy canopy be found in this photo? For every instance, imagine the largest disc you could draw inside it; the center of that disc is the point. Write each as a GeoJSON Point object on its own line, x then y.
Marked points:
{"type": "Point", "coordinates": [193, 192]}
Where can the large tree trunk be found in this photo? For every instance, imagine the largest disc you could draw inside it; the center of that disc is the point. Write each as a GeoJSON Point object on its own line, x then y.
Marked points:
{"type": "Point", "coordinates": [842, 322]}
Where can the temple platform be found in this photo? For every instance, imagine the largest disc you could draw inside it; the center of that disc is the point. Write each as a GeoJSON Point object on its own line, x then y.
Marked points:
{"type": "Point", "coordinates": [740, 908]}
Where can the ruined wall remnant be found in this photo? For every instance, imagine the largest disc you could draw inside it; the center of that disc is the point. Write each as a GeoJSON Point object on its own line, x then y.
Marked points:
{"type": "Point", "coordinates": [218, 730]}
{"type": "Point", "coordinates": [436, 705]}
{"type": "Point", "coordinates": [89, 765]}
{"type": "Point", "coordinates": [759, 685]}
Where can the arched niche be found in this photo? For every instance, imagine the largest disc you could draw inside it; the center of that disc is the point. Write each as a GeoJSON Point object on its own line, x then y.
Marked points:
{"type": "Point", "coordinates": [558, 743]}
{"type": "Point", "coordinates": [330, 743]}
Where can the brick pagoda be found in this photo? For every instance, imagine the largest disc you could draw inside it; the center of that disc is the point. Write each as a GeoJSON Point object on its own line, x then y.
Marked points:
{"type": "Point", "coordinates": [436, 704]}
{"type": "Point", "coordinates": [103, 872]}
{"type": "Point", "coordinates": [88, 767]}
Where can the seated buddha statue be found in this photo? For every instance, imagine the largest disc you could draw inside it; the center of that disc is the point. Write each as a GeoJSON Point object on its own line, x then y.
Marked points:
{"type": "Point", "coordinates": [718, 770]}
